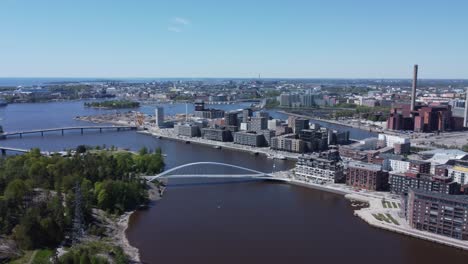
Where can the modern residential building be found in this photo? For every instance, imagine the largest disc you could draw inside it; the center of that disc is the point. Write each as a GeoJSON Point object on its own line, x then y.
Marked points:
{"type": "Point", "coordinates": [399, 165]}
{"type": "Point", "coordinates": [459, 172]}
{"type": "Point", "coordinates": [300, 124]}
{"type": "Point", "coordinates": [315, 140]}
{"type": "Point", "coordinates": [217, 134]}
{"type": "Point", "coordinates": [230, 119]}
{"type": "Point", "coordinates": [401, 145]}
{"type": "Point", "coordinates": [272, 124]}
{"type": "Point", "coordinates": [401, 183]}
{"type": "Point", "coordinates": [258, 123]}
{"type": "Point", "coordinates": [441, 214]}
{"type": "Point", "coordinates": [324, 167]}
{"type": "Point", "coordinates": [283, 129]}
{"type": "Point", "coordinates": [199, 105]}
{"type": "Point", "coordinates": [209, 113]}
{"type": "Point", "coordinates": [288, 142]}
{"type": "Point", "coordinates": [159, 116]}
{"type": "Point", "coordinates": [246, 114]}
{"type": "Point", "coordinates": [187, 130]}
{"type": "Point", "coordinates": [366, 176]}
{"type": "Point", "coordinates": [249, 138]}
{"type": "Point", "coordinates": [264, 114]}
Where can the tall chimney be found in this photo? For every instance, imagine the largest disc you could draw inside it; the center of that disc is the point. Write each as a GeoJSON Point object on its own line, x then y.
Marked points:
{"type": "Point", "coordinates": [466, 108]}
{"type": "Point", "coordinates": [415, 85]}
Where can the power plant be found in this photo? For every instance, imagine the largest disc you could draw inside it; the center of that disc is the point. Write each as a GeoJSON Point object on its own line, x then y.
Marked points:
{"type": "Point", "coordinates": [465, 120]}
{"type": "Point", "coordinates": [431, 117]}
{"type": "Point", "coordinates": [415, 86]}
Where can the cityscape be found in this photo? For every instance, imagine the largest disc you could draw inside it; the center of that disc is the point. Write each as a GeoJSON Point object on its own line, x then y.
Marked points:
{"type": "Point", "coordinates": [328, 153]}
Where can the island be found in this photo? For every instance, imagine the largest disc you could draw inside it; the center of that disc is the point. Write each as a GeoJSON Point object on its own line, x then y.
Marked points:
{"type": "Point", "coordinates": [113, 104]}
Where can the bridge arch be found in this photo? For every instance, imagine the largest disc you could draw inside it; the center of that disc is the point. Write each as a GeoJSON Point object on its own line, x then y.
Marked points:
{"type": "Point", "coordinates": [171, 172]}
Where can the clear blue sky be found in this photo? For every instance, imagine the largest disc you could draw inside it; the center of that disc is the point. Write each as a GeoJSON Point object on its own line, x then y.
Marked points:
{"type": "Point", "coordinates": [236, 38]}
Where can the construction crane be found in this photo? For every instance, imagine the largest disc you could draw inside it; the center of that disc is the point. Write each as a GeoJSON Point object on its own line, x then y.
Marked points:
{"type": "Point", "coordinates": [139, 119]}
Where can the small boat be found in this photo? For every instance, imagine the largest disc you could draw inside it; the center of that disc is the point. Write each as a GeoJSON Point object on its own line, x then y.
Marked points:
{"type": "Point", "coordinates": [217, 147]}
{"type": "Point", "coordinates": [280, 157]}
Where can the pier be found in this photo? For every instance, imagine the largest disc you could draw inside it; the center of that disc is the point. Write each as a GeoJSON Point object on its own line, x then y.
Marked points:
{"type": "Point", "coordinates": [63, 129]}
{"type": "Point", "coordinates": [5, 149]}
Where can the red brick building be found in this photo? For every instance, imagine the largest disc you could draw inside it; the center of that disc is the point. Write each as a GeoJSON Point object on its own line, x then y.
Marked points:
{"type": "Point", "coordinates": [367, 176]}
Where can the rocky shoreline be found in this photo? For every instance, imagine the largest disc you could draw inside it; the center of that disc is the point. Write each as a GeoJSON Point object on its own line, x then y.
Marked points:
{"type": "Point", "coordinates": [120, 237]}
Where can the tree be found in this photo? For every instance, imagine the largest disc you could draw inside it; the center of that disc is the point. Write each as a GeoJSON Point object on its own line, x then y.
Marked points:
{"type": "Point", "coordinates": [16, 190]}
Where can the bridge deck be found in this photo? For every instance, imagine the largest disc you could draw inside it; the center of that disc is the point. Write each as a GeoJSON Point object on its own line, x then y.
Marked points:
{"type": "Point", "coordinates": [66, 128]}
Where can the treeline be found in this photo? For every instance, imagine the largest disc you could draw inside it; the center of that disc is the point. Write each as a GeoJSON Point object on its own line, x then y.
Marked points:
{"type": "Point", "coordinates": [37, 193]}
{"type": "Point", "coordinates": [113, 104]}
{"type": "Point", "coordinates": [378, 113]}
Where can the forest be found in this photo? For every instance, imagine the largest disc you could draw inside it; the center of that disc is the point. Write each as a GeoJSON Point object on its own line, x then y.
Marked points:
{"type": "Point", "coordinates": [38, 193]}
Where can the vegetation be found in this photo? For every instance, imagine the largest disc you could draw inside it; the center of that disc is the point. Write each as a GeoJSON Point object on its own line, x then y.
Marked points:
{"type": "Point", "coordinates": [93, 252]}
{"type": "Point", "coordinates": [465, 148]}
{"type": "Point", "coordinates": [37, 193]}
{"type": "Point", "coordinates": [272, 103]}
{"type": "Point", "coordinates": [378, 113]}
{"type": "Point", "coordinates": [390, 217]}
{"type": "Point", "coordinates": [113, 104]}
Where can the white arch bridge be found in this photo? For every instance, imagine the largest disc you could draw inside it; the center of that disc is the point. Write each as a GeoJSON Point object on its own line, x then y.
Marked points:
{"type": "Point", "coordinates": [213, 170]}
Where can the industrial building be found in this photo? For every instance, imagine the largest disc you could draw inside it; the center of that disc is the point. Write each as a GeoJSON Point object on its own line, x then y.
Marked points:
{"type": "Point", "coordinates": [423, 118]}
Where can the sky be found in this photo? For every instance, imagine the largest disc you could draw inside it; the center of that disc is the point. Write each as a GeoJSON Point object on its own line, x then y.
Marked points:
{"type": "Point", "coordinates": [235, 38]}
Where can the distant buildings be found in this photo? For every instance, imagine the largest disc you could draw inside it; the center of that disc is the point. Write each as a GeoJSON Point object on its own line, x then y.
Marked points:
{"type": "Point", "coordinates": [431, 118]}
{"type": "Point", "coordinates": [202, 112]}
{"type": "Point", "coordinates": [401, 145]}
{"type": "Point", "coordinates": [441, 214]}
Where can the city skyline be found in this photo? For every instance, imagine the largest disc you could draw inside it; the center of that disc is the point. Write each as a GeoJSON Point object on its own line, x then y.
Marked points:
{"type": "Point", "coordinates": [177, 39]}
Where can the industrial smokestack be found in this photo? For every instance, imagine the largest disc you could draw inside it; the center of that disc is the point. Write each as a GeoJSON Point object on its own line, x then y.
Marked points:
{"type": "Point", "coordinates": [415, 85]}
{"type": "Point", "coordinates": [466, 108]}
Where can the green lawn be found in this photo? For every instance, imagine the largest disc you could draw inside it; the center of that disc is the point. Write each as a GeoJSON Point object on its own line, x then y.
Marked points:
{"type": "Point", "coordinates": [392, 219]}
{"type": "Point", "coordinates": [35, 257]}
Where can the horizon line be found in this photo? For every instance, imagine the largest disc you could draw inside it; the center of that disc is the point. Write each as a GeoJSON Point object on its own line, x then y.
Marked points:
{"type": "Point", "coordinates": [247, 78]}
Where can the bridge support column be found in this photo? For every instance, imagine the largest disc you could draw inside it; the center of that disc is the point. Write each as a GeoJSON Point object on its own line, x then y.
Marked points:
{"type": "Point", "coordinates": [3, 152]}
{"type": "Point", "coordinates": [62, 132]}
{"type": "Point", "coordinates": [42, 133]}
{"type": "Point", "coordinates": [82, 131]}
{"type": "Point", "coordinates": [100, 130]}
{"type": "Point", "coordinates": [118, 129]}
{"type": "Point", "coordinates": [21, 135]}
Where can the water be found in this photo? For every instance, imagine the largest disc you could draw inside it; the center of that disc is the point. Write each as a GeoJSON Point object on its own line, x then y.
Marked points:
{"type": "Point", "coordinates": [231, 222]}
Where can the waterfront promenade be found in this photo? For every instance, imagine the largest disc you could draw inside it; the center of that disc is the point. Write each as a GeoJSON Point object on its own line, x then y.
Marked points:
{"type": "Point", "coordinates": [169, 133]}
{"type": "Point", "coordinates": [384, 210]}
